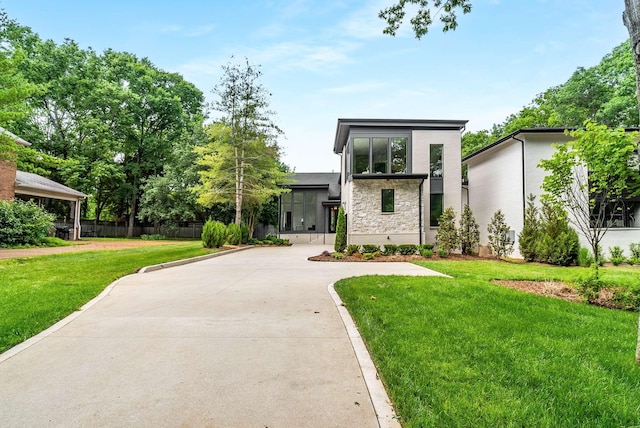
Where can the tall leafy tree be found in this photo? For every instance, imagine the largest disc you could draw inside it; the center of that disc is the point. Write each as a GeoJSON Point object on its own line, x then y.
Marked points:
{"type": "Point", "coordinates": [245, 147]}
{"type": "Point", "coordinates": [590, 175]}
{"type": "Point", "coordinates": [444, 10]}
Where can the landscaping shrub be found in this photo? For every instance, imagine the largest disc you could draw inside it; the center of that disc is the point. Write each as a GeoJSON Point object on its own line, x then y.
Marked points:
{"type": "Point", "coordinates": [153, 237]}
{"type": "Point", "coordinates": [234, 234]}
{"type": "Point", "coordinates": [254, 241]}
{"type": "Point", "coordinates": [337, 255]}
{"type": "Point", "coordinates": [367, 248]}
{"type": "Point", "coordinates": [585, 259]}
{"type": "Point", "coordinates": [447, 237]}
{"type": "Point", "coordinates": [589, 288]}
{"type": "Point", "coordinates": [23, 223]}
{"type": "Point", "coordinates": [530, 234]}
{"type": "Point", "coordinates": [634, 249]}
{"type": "Point", "coordinates": [244, 229]}
{"type": "Point", "coordinates": [352, 249]}
{"type": "Point", "coordinates": [390, 250]}
{"type": "Point", "coordinates": [341, 232]}
{"type": "Point", "coordinates": [407, 249]}
{"type": "Point", "coordinates": [214, 234]}
{"type": "Point", "coordinates": [425, 252]}
{"type": "Point", "coordinates": [469, 232]}
{"type": "Point", "coordinates": [442, 253]}
{"type": "Point", "coordinates": [558, 243]}
{"type": "Point", "coordinates": [428, 246]}
{"type": "Point", "coordinates": [617, 255]}
{"type": "Point", "coordinates": [368, 256]}
{"type": "Point", "coordinates": [499, 239]}
{"type": "Point", "coordinates": [627, 299]}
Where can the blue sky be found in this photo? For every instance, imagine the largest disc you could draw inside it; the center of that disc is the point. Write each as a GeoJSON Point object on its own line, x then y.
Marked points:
{"type": "Point", "coordinates": [328, 59]}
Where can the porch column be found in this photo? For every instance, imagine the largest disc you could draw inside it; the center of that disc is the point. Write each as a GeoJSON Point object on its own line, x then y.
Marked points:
{"type": "Point", "coordinates": [76, 221]}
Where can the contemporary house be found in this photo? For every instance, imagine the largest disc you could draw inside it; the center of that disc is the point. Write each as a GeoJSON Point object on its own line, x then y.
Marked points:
{"type": "Point", "coordinates": [26, 185]}
{"type": "Point", "coordinates": [308, 213]}
{"type": "Point", "coordinates": [503, 174]}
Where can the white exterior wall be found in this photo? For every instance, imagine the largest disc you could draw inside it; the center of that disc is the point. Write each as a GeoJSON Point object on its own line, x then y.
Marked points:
{"type": "Point", "coordinates": [495, 182]}
{"type": "Point", "coordinates": [452, 174]}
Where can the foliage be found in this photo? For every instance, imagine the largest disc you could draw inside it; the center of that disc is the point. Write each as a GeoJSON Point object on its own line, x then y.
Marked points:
{"type": "Point", "coordinates": [153, 237]}
{"type": "Point", "coordinates": [32, 303]}
{"type": "Point", "coordinates": [244, 230]}
{"type": "Point", "coordinates": [368, 248]}
{"type": "Point", "coordinates": [469, 232]}
{"type": "Point", "coordinates": [23, 223]}
{"type": "Point", "coordinates": [442, 253]}
{"type": "Point", "coordinates": [617, 255]}
{"type": "Point", "coordinates": [242, 160]}
{"type": "Point", "coordinates": [590, 175]}
{"type": "Point", "coordinates": [530, 234]}
{"type": "Point", "coordinates": [585, 259]}
{"type": "Point", "coordinates": [445, 10]}
{"type": "Point", "coordinates": [390, 250]}
{"type": "Point", "coordinates": [589, 287]}
{"type": "Point", "coordinates": [634, 249]}
{"type": "Point", "coordinates": [337, 256]}
{"type": "Point", "coordinates": [424, 251]}
{"type": "Point", "coordinates": [214, 234]}
{"type": "Point", "coordinates": [557, 243]}
{"type": "Point", "coordinates": [368, 256]}
{"type": "Point", "coordinates": [447, 237]}
{"type": "Point", "coordinates": [352, 249]}
{"type": "Point", "coordinates": [499, 239]}
{"type": "Point", "coordinates": [234, 234]}
{"type": "Point", "coordinates": [341, 231]}
{"type": "Point", "coordinates": [407, 249]}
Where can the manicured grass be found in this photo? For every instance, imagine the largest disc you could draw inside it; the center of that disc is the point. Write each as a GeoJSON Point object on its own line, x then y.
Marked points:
{"type": "Point", "coordinates": [465, 352]}
{"type": "Point", "coordinates": [37, 292]}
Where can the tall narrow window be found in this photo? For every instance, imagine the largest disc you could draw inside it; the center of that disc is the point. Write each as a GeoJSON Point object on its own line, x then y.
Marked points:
{"type": "Point", "coordinates": [380, 155]}
{"type": "Point", "coordinates": [435, 160]}
{"type": "Point", "coordinates": [387, 201]}
{"type": "Point", "coordinates": [436, 207]}
{"type": "Point", "coordinates": [399, 155]}
{"type": "Point", "coordinates": [360, 155]}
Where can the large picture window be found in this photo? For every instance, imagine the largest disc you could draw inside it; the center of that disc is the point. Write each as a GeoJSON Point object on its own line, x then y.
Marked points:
{"type": "Point", "coordinates": [380, 155]}
{"type": "Point", "coordinates": [388, 205]}
{"type": "Point", "coordinates": [298, 211]}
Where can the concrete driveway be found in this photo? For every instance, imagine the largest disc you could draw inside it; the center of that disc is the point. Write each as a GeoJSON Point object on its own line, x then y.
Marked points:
{"type": "Point", "coordinates": [249, 339]}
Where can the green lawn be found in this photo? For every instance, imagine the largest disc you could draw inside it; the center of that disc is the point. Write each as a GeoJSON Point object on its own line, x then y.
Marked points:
{"type": "Point", "coordinates": [37, 292]}
{"type": "Point", "coordinates": [464, 352]}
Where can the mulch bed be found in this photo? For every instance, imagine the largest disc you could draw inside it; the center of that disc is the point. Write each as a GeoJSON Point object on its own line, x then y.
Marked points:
{"type": "Point", "coordinates": [394, 258]}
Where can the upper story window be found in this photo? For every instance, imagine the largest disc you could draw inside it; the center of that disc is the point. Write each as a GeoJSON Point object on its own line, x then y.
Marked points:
{"type": "Point", "coordinates": [380, 155]}
{"type": "Point", "coordinates": [436, 165]}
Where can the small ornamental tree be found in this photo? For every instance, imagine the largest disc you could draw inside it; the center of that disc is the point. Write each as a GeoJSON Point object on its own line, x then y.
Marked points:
{"type": "Point", "coordinates": [499, 239]}
{"type": "Point", "coordinates": [341, 232]}
{"type": "Point", "coordinates": [558, 243]}
{"type": "Point", "coordinates": [530, 234]}
{"type": "Point", "coordinates": [469, 232]}
{"type": "Point", "coordinates": [447, 237]}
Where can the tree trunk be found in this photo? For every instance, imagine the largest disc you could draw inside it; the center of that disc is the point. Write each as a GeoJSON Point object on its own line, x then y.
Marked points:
{"type": "Point", "coordinates": [239, 173]}
{"type": "Point", "coordinates": [134, 203]}
{"type": "Point", "coordinates": [631, 19]}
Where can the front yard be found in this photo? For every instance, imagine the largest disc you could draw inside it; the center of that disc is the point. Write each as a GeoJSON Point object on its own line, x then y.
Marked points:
{"type": "Point", "coordinates": [467, 352]}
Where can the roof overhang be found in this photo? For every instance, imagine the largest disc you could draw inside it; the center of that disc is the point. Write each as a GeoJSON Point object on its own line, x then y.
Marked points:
{"type": "Point", "coordinates": [390, 176]}
{"type": "Point", "coordinates": [29, 184]}
{"type": "Point", "coordinates": [345, 125]}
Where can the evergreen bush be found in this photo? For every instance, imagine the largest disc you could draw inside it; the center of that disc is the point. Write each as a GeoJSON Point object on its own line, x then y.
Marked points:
{"type": "Point", "coordinates": [234, 234]}
{"type": "Point", "coordinates": [469, 232]}
{"type": "Point", "coordinates": [245, 234]}
{"type": "Point", "coordinates": [23, 223]}
{"type": "Point", "coordinates": [368, 248]}
{"type": "Point", "coordinates": [585, 259]}
{"type": "Point", "coordinates": [634, 249]}
{"type": "Point", "coordinates": [447, 237]}
{"type": "Point", "coordinates": [341, 232]}
{"type": "Point", "coordinates": [617, 255]}
{"type": "Point", "coordinates": [530, 234]}
{"type": "Point", "coordinates": [499, 239]}
{"type": "Point", "coordinates": [352, 249]}
{"type": "Point", "coordinates": [558, 243]}
{"type": "Point", "coordinates": [390, 250]}
{"type": "Point", "coordinates": [407, 249]}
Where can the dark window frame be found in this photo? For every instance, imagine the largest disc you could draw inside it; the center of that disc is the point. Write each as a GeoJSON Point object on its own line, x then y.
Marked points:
{"type": "Point", "coordinates": [385, 203]}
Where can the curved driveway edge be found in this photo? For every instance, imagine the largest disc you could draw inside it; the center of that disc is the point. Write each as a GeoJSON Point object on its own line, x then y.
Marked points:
{"type": "Point", "coordinates": [385, 412]}
{"type": "Point", "coordinates": [249, 339]}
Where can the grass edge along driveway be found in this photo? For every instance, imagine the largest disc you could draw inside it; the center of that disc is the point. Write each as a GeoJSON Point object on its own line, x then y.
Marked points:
{"type": "Point", "coordinates": [464, 352]}
{"type": "Point", "coordinates": [37, 292]}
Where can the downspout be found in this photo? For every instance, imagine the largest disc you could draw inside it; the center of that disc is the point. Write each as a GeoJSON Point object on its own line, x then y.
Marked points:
{"type": "Point", "coordinates": [524, 197]}
{"type": "Point", "coordinates": [420, 211]}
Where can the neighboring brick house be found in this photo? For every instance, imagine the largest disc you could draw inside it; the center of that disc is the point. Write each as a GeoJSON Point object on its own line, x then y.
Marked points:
{"type": "Point", "coordinates": [397, 176]}
{"type": "Point", "coordinates": [503, 174]}
{"type": "Point", "coordinates": [26, 185]}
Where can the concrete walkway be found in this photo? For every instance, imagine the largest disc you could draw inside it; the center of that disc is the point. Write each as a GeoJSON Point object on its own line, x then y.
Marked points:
{"type": "Point", "coordinates": [249, 339]}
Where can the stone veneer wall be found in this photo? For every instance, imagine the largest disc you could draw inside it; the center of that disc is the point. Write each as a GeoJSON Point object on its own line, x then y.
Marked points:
{"type": "Point", "coordinates": [7, 180]}
{"type": "Point", "coordinates": [369, 225]}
